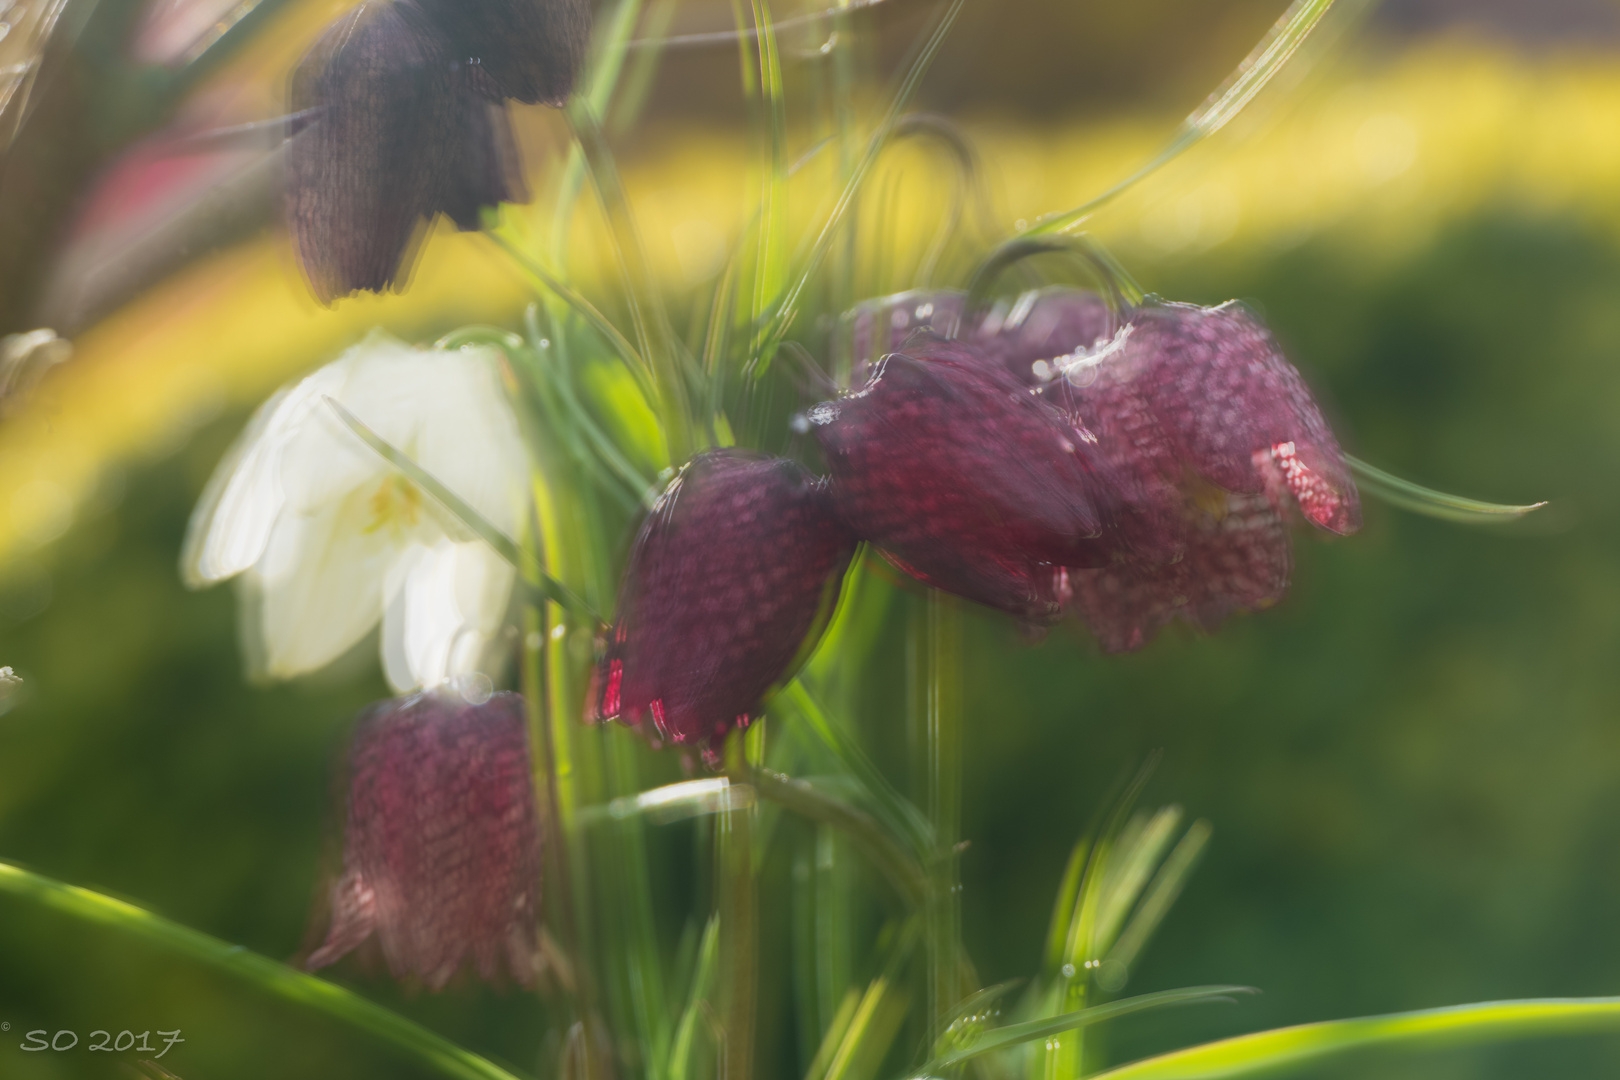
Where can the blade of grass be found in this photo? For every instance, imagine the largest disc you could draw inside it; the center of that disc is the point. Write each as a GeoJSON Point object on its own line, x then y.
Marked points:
{"type": "Point", "coordinates": [601, 79]}
{"type": "Point", "coordinates": [1014, 1034]}
{"type": "Point", "coordinates": [410, 1040]}
{"type": "Point", "coordinates": [1161, 893]}
{"type": "Point", "coordinates": [1257, 69]}
{"type": "Point", "coordinates": [805, 799]}
{"type": "Point", "coordinates": [633, 360]}
{"type": "Point", "coordinates": [876, 1019]}
{"type": "Point", "coordinates": [655, 338]}
{"type": "Point", "coordinates": [1431, 503]}
{"type": "Point", "coordinates": [768, 266]}
{"type": "Point", "coordinates": [703, 977]}
{"type": "Point", "coordinates": [787, 308]}
{"type": "Point", "coordinates": [896, 810]}
{"type": "Point", "coordinates": [1458, 1025]}
{"type": "Point", "coordinates": [1136, 858]}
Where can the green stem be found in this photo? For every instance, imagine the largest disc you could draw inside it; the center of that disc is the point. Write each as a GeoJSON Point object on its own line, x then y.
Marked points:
{"type": "Point", "coordinates": [263, 974]}
{"type": "Point", "coordinates": [739, 929]}
{"type": "Point", "coordinates": [908, 876]}
{"type": "Point", "coordinates": [943, 777]}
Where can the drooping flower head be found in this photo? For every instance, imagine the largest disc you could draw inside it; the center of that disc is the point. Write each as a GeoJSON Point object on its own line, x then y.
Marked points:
{"type": "Point", "coordinates": [730, 579]}
{"type": "Point", "coordinates": [441, 852]}
{"type": "Point", "coordinates": [528, 50]}
{"type": "Point", "coordinates": [964, 479]}
{"type": "Point", "coordinates": [1210, 430]}
{"type": "Point", "coordinates": [328, 537]}
{"type": "Point", "coordinates": [393, 128]}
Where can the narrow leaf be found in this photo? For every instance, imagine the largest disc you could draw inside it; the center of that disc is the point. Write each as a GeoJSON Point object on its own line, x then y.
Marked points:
{"type": "Point", "coordinates": [1457, 1025]}
{"type": "Point", "coordinates": [1257, 69]}
{"type": "Point", "coordinates": [261, 973]}
{"type": "Point", "coordinates": [1431, 503]}
{"type": "Point", "coordinates": [1014, 1034]}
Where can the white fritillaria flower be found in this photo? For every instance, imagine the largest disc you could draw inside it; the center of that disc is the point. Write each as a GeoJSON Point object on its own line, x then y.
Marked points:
{"type": "Point", "coordinates": [328, 536]}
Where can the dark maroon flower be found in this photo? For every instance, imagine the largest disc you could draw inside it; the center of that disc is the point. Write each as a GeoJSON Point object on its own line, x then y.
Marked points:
{"type": "Point", "coordinates": [965, 479]}
{"type": "Point", "coordinates": [731, 577]}
{"type": "Point", "coordinates": [392, 129]}
{"type": "Point", "coordinates": [442, 849]}
{"type": "Point", "coordinates": [1209, 432]}
{"type": "Point", "coordinates": [530, 50]}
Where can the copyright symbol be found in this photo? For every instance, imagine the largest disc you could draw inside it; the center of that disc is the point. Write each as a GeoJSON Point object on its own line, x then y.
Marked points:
{"type": "Point", "coordinates": [5, 1027]}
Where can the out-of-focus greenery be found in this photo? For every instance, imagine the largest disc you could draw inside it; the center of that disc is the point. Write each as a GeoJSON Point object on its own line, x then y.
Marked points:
{"type": "Point", "coordinates": [1412, 765]}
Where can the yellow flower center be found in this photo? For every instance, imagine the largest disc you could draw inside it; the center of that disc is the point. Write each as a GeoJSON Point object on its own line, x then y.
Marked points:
{"type": "Point", "coordinates": [396, 505]}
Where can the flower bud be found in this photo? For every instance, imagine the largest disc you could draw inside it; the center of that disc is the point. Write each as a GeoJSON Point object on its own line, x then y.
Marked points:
{"type": "Point", "coordinates": [729, 583]}
{"type": "Point", "coordinates": [392, 132]}
{"type": "Point", "coordinates": [530, 50]}
{"type": "Point", "coordinates": [964, 479]}
{"type": "Point", "coordinates": [442, 848]}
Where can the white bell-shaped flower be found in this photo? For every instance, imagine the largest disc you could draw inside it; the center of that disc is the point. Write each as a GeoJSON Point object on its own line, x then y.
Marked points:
{"type": "Point", "coordinates": [328, 537]}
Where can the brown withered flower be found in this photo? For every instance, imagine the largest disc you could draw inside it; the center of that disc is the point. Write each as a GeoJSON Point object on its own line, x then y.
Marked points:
{"type": "Point", "coordinates": [391, 129]}
{"type": "Point", "coordinates": [729, 583]}
{"type": "Point", "coordinates": [964, 479]}
{"type": "Point", "coordinates": [442, 846]}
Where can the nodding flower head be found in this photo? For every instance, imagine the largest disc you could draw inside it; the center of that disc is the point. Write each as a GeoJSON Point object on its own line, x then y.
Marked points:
{"type": "Point", "coordinates": [393, 128]}
{"type": "Point", "coordinates": [442, 847]}
{"type": "Point", "coordinates": [730, 579]}
{"type": "Point", "coordinates": [530, 50]}
{"type": "Point", "coordinates": [964, 479]}
{"type": "Point", "coordinates": [1209, 431]}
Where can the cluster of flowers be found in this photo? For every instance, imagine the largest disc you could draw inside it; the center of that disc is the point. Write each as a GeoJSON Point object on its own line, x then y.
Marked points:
{"type": "Point", "coordinates": [1041, 459]}
{"type": "Point", "coordinates": [399, 114]}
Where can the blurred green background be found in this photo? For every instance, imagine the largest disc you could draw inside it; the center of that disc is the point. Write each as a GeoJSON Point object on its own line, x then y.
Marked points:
{"type": "Point", "coordinates": [1412, 765]}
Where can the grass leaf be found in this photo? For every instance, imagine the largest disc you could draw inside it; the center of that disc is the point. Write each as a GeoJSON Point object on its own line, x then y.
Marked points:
{"type": "Point", "coordinates": [1284, 1048]}
{"type": "Point", "coordinates": [261, 973]}
{"type": "Point", "coordinates": [1431, 503]}
{"type": "Point", "coordinates": [1029, 1031]}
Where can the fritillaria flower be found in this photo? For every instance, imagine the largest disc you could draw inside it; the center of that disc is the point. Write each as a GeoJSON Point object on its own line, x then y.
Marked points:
{"type": "Point", "coordinates": [529, 50]}
{"type": "Point", "coordinates": [328, 537]}
{"type": "Point", "coordinates": [393, 128]}
{"type": "Point", "coordinates": [1211, 432]}
{"type": "Point", "coordinates": [441, 852]}
{"type": "Point", "coordinates": [964, 479]}
{"type": "Point", "coordinates": [729, 582]}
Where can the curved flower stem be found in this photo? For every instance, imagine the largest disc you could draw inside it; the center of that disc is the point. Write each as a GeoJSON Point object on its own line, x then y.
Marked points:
{"type": "Point", "coordinates": [263, 974]}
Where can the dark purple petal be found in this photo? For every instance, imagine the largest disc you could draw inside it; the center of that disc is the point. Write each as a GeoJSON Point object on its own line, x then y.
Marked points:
{"type": "Point", "coordinates": [1236, 557]}
{"type": "Point", "coordinates": [442, 847]}
{"type": "Point", "coordinates": [530, 50]}
{"type": "Point", "coordinates": [964, 478]}
{"type": "Point", "coordinates": [1223, 392]}
{"type": "Point", "coordinates": [397, 131]}
{"type": "Point", "coordinates": [733, 572]}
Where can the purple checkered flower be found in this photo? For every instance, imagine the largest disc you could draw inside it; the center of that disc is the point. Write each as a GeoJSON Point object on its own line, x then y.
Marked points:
{"type": "Point", "coordinates": [442, 847]}
{"type": "Point", "coordinates": [729, 583]}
